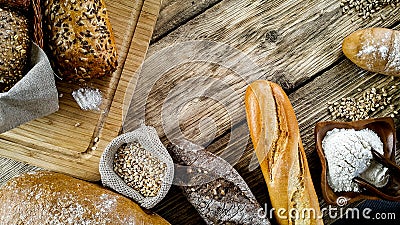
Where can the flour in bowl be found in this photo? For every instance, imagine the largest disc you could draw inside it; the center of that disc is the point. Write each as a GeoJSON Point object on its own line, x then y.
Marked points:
{"type": "Point", "coordinates": [348, 154]}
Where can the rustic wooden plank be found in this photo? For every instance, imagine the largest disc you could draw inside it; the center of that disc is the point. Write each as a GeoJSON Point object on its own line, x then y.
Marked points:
{"type": "Point", "coordinates": [310, 105]}
{"type": "Point", "coordinates": [146, 22]}
{"type": "Point", "coordinates": [278, 61]}
{"type": "Point", "coordinates": [312, 56]}
{"type": "Point", "coordinates": [291, 41]}
{"type": "Point", "coordinates": [174, 13]}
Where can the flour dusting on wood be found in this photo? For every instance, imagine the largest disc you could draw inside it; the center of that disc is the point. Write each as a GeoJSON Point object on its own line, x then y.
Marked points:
{"type": "Point", "coordinates": [88, 98]}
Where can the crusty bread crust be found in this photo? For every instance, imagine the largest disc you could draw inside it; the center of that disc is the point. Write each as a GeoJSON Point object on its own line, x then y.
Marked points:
{"type": "Point", "coordinates": [374, 49]}
{"type": "Point", "coordinates": [14, 47]}
{"type": "Point", "coordinates": [276, 139]}
{"type": "Point", "coordinates": [80, 38]}
{"type": "Point", "coordinates": [53, 198]}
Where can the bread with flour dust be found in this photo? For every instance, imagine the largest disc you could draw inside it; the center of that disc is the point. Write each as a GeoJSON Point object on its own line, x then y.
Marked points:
{"type": "Point", "coordinates": [374, 49]}
{"type": "Point", "coordinates": [53, 198]}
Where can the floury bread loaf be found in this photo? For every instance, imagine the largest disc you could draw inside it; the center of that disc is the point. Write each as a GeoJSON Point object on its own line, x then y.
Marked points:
{"type": "Point", "coordinates": [374, 49]}
{"type": "Point", "coordinates": [80, 38]}
{"type": "Point", "coordinates": [52, 198]}
{"type": "Point", "coordinates": [276, 139]}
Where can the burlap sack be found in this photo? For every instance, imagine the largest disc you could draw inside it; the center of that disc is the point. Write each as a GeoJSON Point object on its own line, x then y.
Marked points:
{"type": "Point", "coordinates": [34, 96]}
{"type": "Point", "coordinates": [148, 138]}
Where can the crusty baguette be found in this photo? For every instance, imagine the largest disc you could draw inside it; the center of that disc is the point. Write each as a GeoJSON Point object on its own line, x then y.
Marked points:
{"type": "Point", "coordinates": [276, 139]}
{"type": "Point", "coordinates": [53, 198]}
{"type": "Point", "coordinates": [80, 38]}
{"type": "Point", "coordinates": [374, 49]}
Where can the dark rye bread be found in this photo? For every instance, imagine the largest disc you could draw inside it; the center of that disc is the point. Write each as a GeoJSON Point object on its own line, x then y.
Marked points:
{"type": "Point", "coordinates": [14, 44]}
{"type": "Point", "coordinates": [80, 39]}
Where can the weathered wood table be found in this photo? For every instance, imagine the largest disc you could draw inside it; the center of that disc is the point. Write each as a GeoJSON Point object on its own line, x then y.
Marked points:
{"type": "Point", "coordinates": [203, 55]}
{"type": "Point", "coordinates": [294, 43]}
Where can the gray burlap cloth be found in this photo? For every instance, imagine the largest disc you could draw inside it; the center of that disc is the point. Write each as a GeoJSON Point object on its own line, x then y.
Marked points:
{"type": "Point", "coordinates": [34, 96]}
{"type": "Point", "coordinates": [148, 138]}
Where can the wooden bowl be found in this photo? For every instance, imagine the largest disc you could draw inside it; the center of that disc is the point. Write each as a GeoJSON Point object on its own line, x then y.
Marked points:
{"type": "Point", "coordinates": [383, 127]}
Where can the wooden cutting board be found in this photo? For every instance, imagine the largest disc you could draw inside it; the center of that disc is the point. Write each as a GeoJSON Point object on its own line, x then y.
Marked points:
{"type": "Point", "coordinates": [71, 140]}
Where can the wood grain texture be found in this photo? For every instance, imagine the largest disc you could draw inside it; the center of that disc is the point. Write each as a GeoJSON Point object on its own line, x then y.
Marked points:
{"type": "Point", "coordinates": [294, 43]}
{"type": "Point", "coordinates": [174, 13]}
{"type": "Point", "coordinates": [302, 56]}
{"type": "Point", "coordinates": [290, 40]}
{"type": "Point", "coordinates": [310, 104]}
{"type": "Point", "coordinates": [296, 55]}
{"type": "Point", "coordinates": [55, 142]}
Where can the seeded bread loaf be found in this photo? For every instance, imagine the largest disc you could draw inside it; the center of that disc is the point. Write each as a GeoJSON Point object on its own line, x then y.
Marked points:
{"type": "Point", "coordinates": [80, 39]}
{"type": "Point", "coordinates": [275, 134]}
{"type": "Point", "coordinates": [14, 44]}
{"type": "Point", "coordinates": [374, 49]}
{"type": "Point", "coordinates": [52, 198]}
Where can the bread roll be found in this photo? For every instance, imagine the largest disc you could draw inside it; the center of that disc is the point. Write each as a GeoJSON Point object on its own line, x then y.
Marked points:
{"type": "Point", "coordinates": [14, 44]}
{"type": "Point", "coordinates": [52, 198]}
{"type": "Point", "coordinates": [374, 49]}
{"type": "Point", "coordinates": [276, 139]}
{"type": "Point", "coordinates": [80, 38]}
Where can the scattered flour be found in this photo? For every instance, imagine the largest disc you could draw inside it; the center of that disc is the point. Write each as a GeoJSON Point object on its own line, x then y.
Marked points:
{"type": "Point", "coordinates": [348, 154]}
{"type": "Point", "coordinates": [384, 51]}
{"type": "Point", "coordinates": [394, 56]}
{"type": "Point", "coordinates": [68, 208]}
{"type": "Point", "coordinates": [366, 49]}
{"type": "Point", "coordinates": [374, 50]}
{"type": "Point", "coordinates": [88, 98]}
{"type": "Point", "coordinates": [106, 203]}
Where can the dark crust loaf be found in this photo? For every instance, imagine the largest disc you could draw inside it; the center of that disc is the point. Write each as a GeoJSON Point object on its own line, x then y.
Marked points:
{"type": "Point", "coordinates": [80, 39]}
{"type": "Point", "coordinates": [17, 4]}
{"type": "Point", "coordinates": [14, 44]}
{"type": "Point", "coordinates": [52, 198]}
{"type": "Point", "coordinates": [214, 187]}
